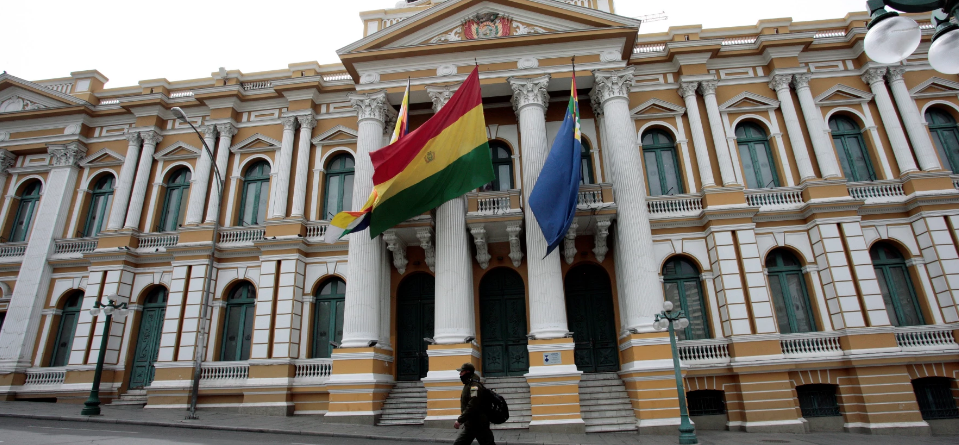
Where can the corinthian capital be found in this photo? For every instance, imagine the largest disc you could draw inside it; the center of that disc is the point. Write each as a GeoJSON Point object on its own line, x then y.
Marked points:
{"type": "Point", "coordinates": [208, 131]}
{"type": "Point", "coordinates": [612, 84]}
{"type": "Point", "coordinates": [780, 82]}
{"type": "Point", "coordinates": [895, 73]}
{"type": "Point", "coordinates": [134, 138]}
{"type": "Point", "coordinates": [289, 123]}
{"type": "Point", "coordinates": [7, 160]}
{"type": "Point", "coordinates": [596, 105]}
{"type": "Point", "coordinates": [151, 137]}
{"type": "Point", "coordinates": [707, 87]}
{"type": "Point", "coordinates": [67, 155]}
{"type": "Point", "coordinates": [687, 89]}
{"type": "Point", "coordinates": [529, 92]}
{"type": "Point", "coordinates": [801, 80]}
{"type": "Point", "coordinates": [226, 130]}
{"type": "Point", "coordinates": [370, 105]}
{"type": "Point", "coordinates": [440, 95]}
{"type": "Point", "coordinates": [873, 75]}
{"type": "Point", "coordinates": [307, 122]}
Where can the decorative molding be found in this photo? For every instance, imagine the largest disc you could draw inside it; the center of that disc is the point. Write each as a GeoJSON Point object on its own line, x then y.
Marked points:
{"type": "Point", "coordinates": [687, 89]}
{"type": "Point", "coordinates": [873, 75]}
{"type": "Point", "coordinates": [109, 158]}
{"type": "Point", "coordinates": [226, 130]}
{"type": "Point", "coordinates": [17, 103]}
{"type": "Point", "coordinates": [67, 155]}
{"type": "Point", "coordinates": [569, 243]}
{"type": "Point", "coordinates": [482, 248]}
{"type": "Point", "coordinates": [324, 137]}
{"type": "Point", "coordinates": [168, 152]}
{"type": "Point", "coordinates": [370, 105]}
{"type": "Point", "coordinates": [440, 95]}
{"type": "Point", "coordinates": [246, 144]}
{"type": "Point", "coordinates": [307, 122]}
{"type": "Point", "coordinates": [600, 234]}
{"type": "Point", "coordinates": [848, 96]}
{"type": "Point", "coordinates": [707, 87]}
{"type": "Point", "coordinates": [7, 160]}
{"type": "Point", "coordinates": [526, 63]}
{"type": "Point", "coordinates": [894, 73]}
{"type": "Point", "coordinates": [396, 245]}
{"type": "Point", "coordinates": [446, 70]}
{"type": "Point", "coordinates": [425, 235]}
{"type": "Point", "coordinates": [780, 82]}
{"type": "Point", "coordinates": [612, 84]}
{"type": "Point", "coordinates": [657, 109]}
{"type": "Point", "coordinates": [935, 87]}
{"type": "Point", "coordinates": [755, 102]}
{"type": "Point", "coordinates": [527, 92]}
{"type": "Point", "coordinates": [515, 244]}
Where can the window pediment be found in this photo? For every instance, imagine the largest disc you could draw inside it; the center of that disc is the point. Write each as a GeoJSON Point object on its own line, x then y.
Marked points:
{"type": "Point", "coordinates": [843, 95]}
{"type": "Point", "coordinates": [935, 87]}
{"type": "Point", "coordinates": [257, 143]}
{"type": "Point", "coordinates": [657, 109]}
{"type": "Point", "coordinates": [178, 150]}
{"type": "Point", "coordinates": [102, 158]}
{"type": "Point", "coordinates": [747, 101]}
{"type": "Point", "coordinates": [337, 135]}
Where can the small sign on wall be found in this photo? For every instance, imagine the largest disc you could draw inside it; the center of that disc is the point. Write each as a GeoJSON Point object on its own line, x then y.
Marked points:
{"type": "Point", "coordinates": [552, 358]}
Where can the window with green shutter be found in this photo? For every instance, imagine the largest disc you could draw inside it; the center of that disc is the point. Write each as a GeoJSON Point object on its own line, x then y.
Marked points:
{"type": "Point", "coordinates": [339, 186]}
{"type": "Point", "coordinates": [256, 194]}
{"type": "Point", "coordinates": [502, 159]}
{"type": "Point", "coordinates": [853, 155]}
{"type": "Point", "coordinates": [66, 329]}
{"type": "Point", "coordinates": [328, 317]}
{"type": "Point", "coordinates": [790, 297]}
{"type": "Point", "coordinates": [238, 323]}
{"type": "Point", "coordinates": [759, 171]}
{"type": "Point", "coordinates": [587, 164]}
{"type": "Point", "coordinates": [945, 136]}
{"type": "Point", "coordinates": [175, 201]}
{"type": "Point", "coordinates": [662, 168]}
{"type": "Point", "coordinates": [895, 285]}
{"type": "Point", "coordinates": [684, 289]}
{"type": "Point", "coordinates": [29, 201]}
{"type": "Point", "coordinates": [100, 203]}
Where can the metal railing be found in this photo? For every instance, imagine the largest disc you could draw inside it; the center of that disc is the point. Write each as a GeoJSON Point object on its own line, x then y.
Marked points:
{"type": "Point", "coordinates": [926, 337]}
{"type": "Point", "coordinates": [224, 371]}
{"type": "Point", "coordinates": [45, 376]}
{"type": "Point", "coordinates": [153, 241]}
{"type": "Point", "coordinates": [81, 245]}
{"type": "Point", "coordinates": [260, 85]}
{"type": "Point", "coordinates": [313, 369]}
{"type": "Point", "coordinates": [316, 229]}
{"type": "Point", "coordinates": [810, 344]}
{"type": "Point", "coordinates": [877, 189]}
{"type": "Point", "coordinates": [13, 249]}
{"type": "Point", "coordinates": [674, 204]}
{"type": "Point", "coordinates": [704, 352]}
{"type": "Point", "coordinates": [773, 197]}
{"type": "Point", "coordinates": [241, 235]}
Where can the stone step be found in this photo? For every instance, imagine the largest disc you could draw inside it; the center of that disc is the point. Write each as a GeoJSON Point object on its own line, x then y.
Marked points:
{"type": "Point", "coordinates": [602, 389]}
{"type": "Point", "coordinates": [611, 428]}
{"type": "Point", "coordinates": [599, 376]}
{"type": "Point", "coordinates": [400, 422]}
{"type": "Point", "coordinates": [607, 414]}
{"type": "Point", "coordinates": [407, 399]}
{"type": "Point", "coordinates": [600, 383]}
{"type": "Point", "coordinates": [606, 403]}
{"type": "Point", "coordinates": [406, 411]}
{"type": "Point", "coordinates": [409, 390]}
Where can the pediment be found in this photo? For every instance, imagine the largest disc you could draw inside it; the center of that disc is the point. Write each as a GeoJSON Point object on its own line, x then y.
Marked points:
{"type": "Point", "coordinates": [256, 143]}
{"type": "Point", "coordinates": [935, 87]}
{"type": "Point", "coordinates": [338, 134]}
{"type": "Point", "coordinates": [485, 26]}
{"type": "Point", "coordinates": [178, 150]}
{"type": "Point", "coordinates": [747, 101]}
{"type": "Point", "coordinates": [843, 95]}
{"type": "Point", "coordinates": [102, 158]}
{"type": "Point", "coordinates": [657, 109]}
{"type": "Point", "coordinates": [17, 94]}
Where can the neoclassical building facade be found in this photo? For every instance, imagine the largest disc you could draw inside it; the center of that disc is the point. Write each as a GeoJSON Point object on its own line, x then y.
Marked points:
{"type": "Point", "coordinates": [797, 200]}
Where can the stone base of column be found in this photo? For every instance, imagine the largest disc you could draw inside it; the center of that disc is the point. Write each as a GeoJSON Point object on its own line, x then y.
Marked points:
{"type": "Point", "coordinates": [442, 382]}
{"type": "Point", "coordinates": [723, 196]}
{"type": "Point", "coordinates": [824, 189]}
{"type": "Point", "coordinates": [277, 401]}
{"type": "Point", "coordinates": [285, 228]}
{"type": "Point", "coordinates": [361, 380]}
{"type": "Point", "coordinates": [880, 400]}
{"type": "Point", "coordinates": [769, 404]}
{"type": "Point", "coordinates": [554, 387]}
{"type": "Point", "coordinates": [647, 373]}
{"type": "Point", "coordinates": [171, 386]}
{"type": "Point", "coordinates": [918, 182]}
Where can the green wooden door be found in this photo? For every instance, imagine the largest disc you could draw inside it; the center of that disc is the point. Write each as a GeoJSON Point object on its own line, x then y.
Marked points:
{"type": "Point", "coordinates": [148, 340]}
{"type": "Point", "coordinates": [414, 321]}
{"type": "Point", "coordinates": [590, 316]}
{"type": "Point", "coordinates": [503, 324]}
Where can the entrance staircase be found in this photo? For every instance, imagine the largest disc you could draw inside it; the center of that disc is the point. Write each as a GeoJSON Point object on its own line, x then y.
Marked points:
{"type": "Point", "coordinates": [605, 404]}
{"type": "Point", "coordinates": [134, 398]}
{"type": "Point", "coordinates": [405, 405]}
{"type": "Point", "coordinates": [516, 392]}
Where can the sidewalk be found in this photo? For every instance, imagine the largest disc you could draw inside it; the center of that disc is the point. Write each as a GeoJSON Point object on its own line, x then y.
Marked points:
{"type": "Point", "coordinates": [314, 426]}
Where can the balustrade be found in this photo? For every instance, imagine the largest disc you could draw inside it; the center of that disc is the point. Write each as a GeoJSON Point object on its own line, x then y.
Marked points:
{"type": "Point", "coordinates": [242, 235]}
{"type": "Point", "coordinates": [926, 337]}
{"type": "Point", "coordinates": [13, 249]}
{"type": "Point", "coordinates": [316, 230]}
{"type": "Point", "coordinates": [830, 33]}
{"type": "Point", "coordinates": [649, 48]}
{"type": "Point", "coordinates": [674, 205]}
{"type": "Point", "coordinates": [178, 94]}
{"type": "Point", "coordinates": [739, 41]}
{"type": "Point", "coordinates": [45, 376]}
{"type": "Point", "coordinates": [224, 371]}
{"type": "Point", "coordinates": [154, 241]}
{"type": "Point", "coordinates": [75, 245]}
{"type": "Point", "coordinates": [774, 197]}
{"type": "Point", "coordinates": [704, 352]}
{"type": "Point", "coordinates": [336, 76]}
{"type": "Point", "coordinates": [260, 85]}
{"type": "Point", "coordinates": [61, 87]}
{"type": "Point", "coordinates": [876, 190]}
{"type": "Point", "coordinates": [810, 344]}
{"type": "Point", "coordinates": [317, 368]}
{"type": "Point", "coordinates": [109, 101]}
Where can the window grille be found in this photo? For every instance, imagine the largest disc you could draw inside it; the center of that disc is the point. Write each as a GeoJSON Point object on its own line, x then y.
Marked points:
{"type": "Point", "coordinates": [934, 395]}
{"type": "Point", "coordinates": [705, 402]}
{"type": "Point", "coordinates": [818, 400]}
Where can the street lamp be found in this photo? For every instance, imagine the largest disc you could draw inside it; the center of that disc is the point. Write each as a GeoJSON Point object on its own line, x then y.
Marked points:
{"type": "Point", "coordinates": [891, 38]}
{"type": "Point", "coordinates": [202, 340]}
{"type": "Point", "coordinates": [672, 320]}
{"type": "Point", "coordinates": [92, 406]}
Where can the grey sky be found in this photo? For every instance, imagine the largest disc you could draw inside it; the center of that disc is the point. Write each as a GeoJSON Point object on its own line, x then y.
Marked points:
{"type": "Point", "coordinates": [131, 40]}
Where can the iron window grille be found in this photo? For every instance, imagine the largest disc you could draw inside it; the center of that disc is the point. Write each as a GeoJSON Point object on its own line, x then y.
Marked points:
{"type": "Point", "coordinates": [706, 402]}
{"type": "Point", "coordinates": [934, 395]}
{"type": "Point", "coordinates": [818, 400]}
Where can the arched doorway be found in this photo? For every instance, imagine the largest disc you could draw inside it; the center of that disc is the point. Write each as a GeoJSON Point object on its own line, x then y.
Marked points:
{"type": "Point", "coordinates": [503, 324]}
{"type": "Point", "coordinates": [148, 339]}
{"type": "Point", "coordinates": [590, 316]}
{"type": "Point", "coordinates": [414, 321]}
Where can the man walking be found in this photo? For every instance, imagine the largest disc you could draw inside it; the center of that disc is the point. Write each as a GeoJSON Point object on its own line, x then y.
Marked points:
{"type": "Point", "coordinates": [474, 402]}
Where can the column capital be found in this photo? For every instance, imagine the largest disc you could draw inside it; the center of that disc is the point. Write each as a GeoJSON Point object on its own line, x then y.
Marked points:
{"type": "Point", "coordinates": [289, 122]}
{"type": "Point", "coordinates": [801, 80]}
{"type": "Point", "coordinates": [612, 84]}
{"type": "Point", "coordinates": [873, 75]}
{"type": "Point", "coordinates": [208, 131]}
{"type": "Point", "coordinates": [151, 137]}
{"type": "Point", "coordinates": [134, 138]}
{"type": "Point", "coordinates": [596, 105]}
{"type": "Point", "coordinates": [67, 155]}
{"type": "Point", "coordinates": [306, 122]}
{"type": "Point", "coordinates": [226, 130]}
{"type": "Point", "coordinates": [528, 91]}
{"type": "Point", "coordinates": [687, 89]}
{"type": "Point", "coordinates": [780, 82]}
{"type": "Point", "coordinates": [370, 105]}
{"type": "Point", "coordinates": [7, 160]}
{"type": "Point", "coordinates": [707, 87]}
{"type": "Point", "coordinates": [440, 95]}
{"type": "Point", "coordinates": [895, 73]}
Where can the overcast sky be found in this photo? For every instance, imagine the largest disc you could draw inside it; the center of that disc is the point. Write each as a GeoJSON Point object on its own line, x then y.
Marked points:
{"type": "Point", "coordinates": [133, 40]}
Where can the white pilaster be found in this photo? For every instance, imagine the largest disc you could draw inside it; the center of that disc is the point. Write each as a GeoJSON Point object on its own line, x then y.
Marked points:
{"type": "Point", "coordinates": [890, 120]}
{"type": "Point", "coordinates": [222, 156]}
{"type": "Point", "coordinates": [842, 301]}
{"type": "Point", "coordinates": [547, 306]}
{"type": "Point", "coordinates": [822, 146]}
{"type": "Point", "coordinates": [780, 84]}
{"type": "Point", "coordinates": [201, 180]}
{"type": "Point", "coordinates": [284, 163]}
{"type": "Point", "coordinates": [915, 126]}
{"type": "Point", "coordinates": [191, 300]}
{"type": "Point", "coordinates": [121, 196]}
{"type": "Point", "coordinates": [939, 254]}
{"type": "Point", "coordinates": [150, 141]}
{"type": "Point", "coordinates": [302, 166]}
{"type": "Point", "coordinates": [708, 89]}
{"type": "Point", "coordinates": [688, 91]}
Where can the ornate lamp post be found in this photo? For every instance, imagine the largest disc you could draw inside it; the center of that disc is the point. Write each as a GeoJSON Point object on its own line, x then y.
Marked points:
{"type": "Point", "coordinates": [92, 406]}
{"type": "Point", "coordinates": [672, 320]}
{"type": "Point", "coordinates": [892, 38]}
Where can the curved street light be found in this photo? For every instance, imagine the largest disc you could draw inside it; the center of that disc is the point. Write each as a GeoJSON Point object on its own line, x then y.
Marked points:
{"type": "Point", "coordinates": [891, 37]}
{"type": "Point", "coordinates": [672, 320]}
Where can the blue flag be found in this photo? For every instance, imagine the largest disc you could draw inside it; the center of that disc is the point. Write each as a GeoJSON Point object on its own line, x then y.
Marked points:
{"type": "Point", "coordinates": [554, 197]}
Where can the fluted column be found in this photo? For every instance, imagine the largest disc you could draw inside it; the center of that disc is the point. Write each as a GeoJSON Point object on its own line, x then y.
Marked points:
{"type": "Point", "coordinates": [283, 165]}
{"type": "Point", "coordinates": [688, 91]}
{"type": "Point", "coordinates": [915, 126]}
{"type": "Point", "coordinates": [890, 120]}
{"type": "Point", "coordinates": [547, 306]}
{"type": "Point", "coordinates": [708, 89]}
{"type": "Point", "coordinates": [640, 294]}
{"type": "Point", "coordinates": [222, 156]}
{"type": "Point", "coordinates": [821, 145]}
{"type": "Point", "coordinates": [121, 196]}
{"type": "Point", "coordinates": [361, 322]}
{"type": "Point", "coordinates": [302, 166]}
{"type": "Point", "coordinates": [454, 311]}
{"type": "Point", "coordinates": [780, 84]}
{"type": "Point", "coordinates": [150, 141]}
{"type": "Point", "coordinates": [201, 180]}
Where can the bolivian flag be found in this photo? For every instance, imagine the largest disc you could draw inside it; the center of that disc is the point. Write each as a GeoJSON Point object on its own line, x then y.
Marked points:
{"type": "Point", "coordinates": [442, 159]}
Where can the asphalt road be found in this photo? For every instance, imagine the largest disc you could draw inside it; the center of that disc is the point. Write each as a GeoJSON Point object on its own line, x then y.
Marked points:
{"type": "Point", "coordinates": [49, 432]}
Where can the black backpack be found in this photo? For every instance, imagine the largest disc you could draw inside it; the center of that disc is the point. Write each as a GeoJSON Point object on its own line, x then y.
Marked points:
{"type": "Point", "coordinates": [498, 409]}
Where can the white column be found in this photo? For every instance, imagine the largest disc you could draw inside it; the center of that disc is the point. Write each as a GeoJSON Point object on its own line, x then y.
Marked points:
{"type": "Point", "coordinates": [302, 166]}
{"type": "Point", "coordinates": [121, 197]}
{"type": "Point", "coordinates": [708, 89]}
{"type": "Point", "coordinates": [915, 125]}
{"type": "Point", "coordinates": [640, 294]}
{"type": "Point", "coordinates": [780, 84]}
{"type": "Point", "coordinates": [688, 91]}
{"type": "Point", "coordinates": [222, 156]}
{"type": "Point", "coordinates": [19, 333]}
{"type": "Point", "coordinates": [150, 141]}
{"type": "Point", "coordinates": [362, 314]}
{"type": "Point", "coordinates": [890, 120]}
{"type": "Point", "coordinates": [283, 165]}
{"type": "Point", "coordinates": [201, 180]}
{"type": "Point", "coordinates": [825, 152]}
{"type": "Point", "coordinates": [547, 306]}
{"type": "Point", "coordinates": [454, 310]}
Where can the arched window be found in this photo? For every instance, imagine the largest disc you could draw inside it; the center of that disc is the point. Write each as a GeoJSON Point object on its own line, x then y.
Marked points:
{"type": "Point", "coordinates": [896, 286]}
{"type": "Point", "coordinates": [328, 317]}
{"type": "Point", "coordinates": [945, 135]}
{"type": "Point", "coordinates": [68, 326]}
{"type": "Point", "coordinates": [853, 157]}
{"type": "Point", "coordinates": [256, 194]}
{"type": "Point", "coordinates": [587, 164]}
{"type": "Point", "coordinates": [790, 298]}
{"type": "Point", "coordinates": [29, 201]}
{"type": "Point", "coordinates": [684, 290]}
{"type": "Point", "coordinates": [100, 203]}
{"type": "Point", "coordinates": [339, 186]}
{"type": "Point", "coordinates": [238, 325]}
{"type": "Point", "coordinates": [758, 168]}
{"type": "Point", "coordinates": [662, 170]}
{"type": "Point", "coordinates": [502, 167]}
{"type": "Point", "coordinates": [175, 201]}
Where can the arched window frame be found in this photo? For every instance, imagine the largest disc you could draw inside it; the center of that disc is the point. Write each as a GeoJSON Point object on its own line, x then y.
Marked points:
{"type": "Point", "coordinates": [843, 141]}
{"type": "Point", "coordinates": [499, 162]}
{"type": "Point", "coordinates": [945, 137]}
{"type": "Point", "coordinates": [26, 211]}
{"type": "Point", "coordinates": [241, 303]}
{"type": "Point", "coordinates": [339, 171]}
{"type": "Point", "coordinates": [681, 280]}
{"type": "Point", "coordinates": [782, 272]}
{"type": "Point", "coordinates": [752, 148]}
{"type": "Point", "coordinates": [66, 329]}
{"type": "Point", "coordinates": [256, 180]}
{"type": "Point", "coordinates": [175, 199]}
{"type": "Point", "coordinates": [101, 200]}
{"type": "Point", "coordinates": [658, 147]}
{"type": "Point", "coordinates": [588, 174]}
{"type": "Point", "coordinates": [884, 266]}
{"type": "Point", "coordinates": [330, 320]}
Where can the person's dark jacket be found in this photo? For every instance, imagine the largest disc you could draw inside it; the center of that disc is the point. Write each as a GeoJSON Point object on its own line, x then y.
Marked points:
{"type": "Point", "coordinates": [474, 408]}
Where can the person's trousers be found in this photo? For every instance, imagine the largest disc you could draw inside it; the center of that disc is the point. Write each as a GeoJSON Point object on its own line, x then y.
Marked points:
{"type": "Point", "coordinates": [481, 433]}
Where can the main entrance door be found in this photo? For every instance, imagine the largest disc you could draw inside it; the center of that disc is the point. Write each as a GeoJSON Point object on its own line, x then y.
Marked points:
{"type": "Point", "coordinates": [148, 340]}
{"type": "Point", "coordinates": [590, 316]}
{"type": "Point", "coordinates": [503, 324]}
{"type": "Point", "coordinates": [414, 321]}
